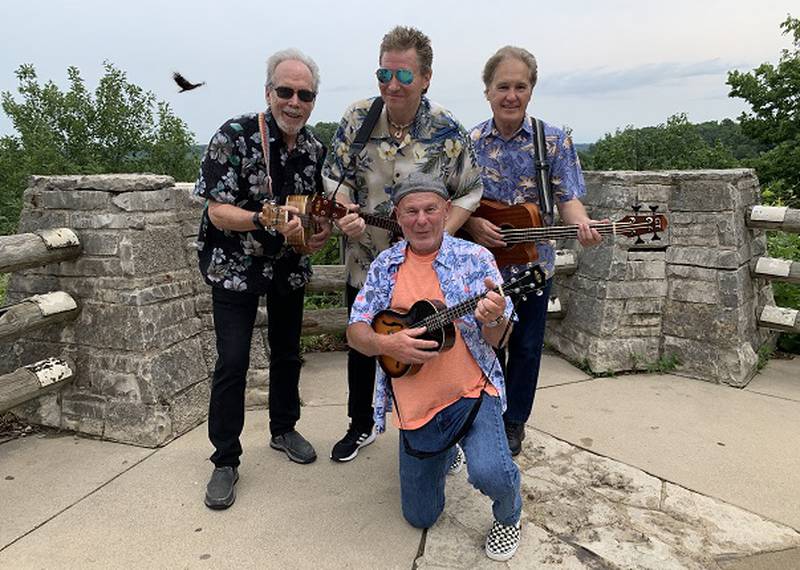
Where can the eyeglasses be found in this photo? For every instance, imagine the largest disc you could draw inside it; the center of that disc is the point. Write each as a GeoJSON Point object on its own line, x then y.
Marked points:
{"type": "Point", "coordinates": [304, 95]}
{"type": "Point", "coordinates": [404, 76]}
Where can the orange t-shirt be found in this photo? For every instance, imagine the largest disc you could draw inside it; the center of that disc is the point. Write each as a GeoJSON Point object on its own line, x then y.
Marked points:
{"type": "Point", "coordinates": [451, 375]}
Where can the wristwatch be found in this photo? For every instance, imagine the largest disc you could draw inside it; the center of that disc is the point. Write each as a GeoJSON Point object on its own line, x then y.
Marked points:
{"type": "Point", "coordinates": [257, 221]}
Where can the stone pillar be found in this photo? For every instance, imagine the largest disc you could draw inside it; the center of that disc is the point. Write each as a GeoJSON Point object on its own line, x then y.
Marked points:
{"type": "Point", "coordinates": [689, 296]}
{"type": "Point", "coordinates": [143, 342]}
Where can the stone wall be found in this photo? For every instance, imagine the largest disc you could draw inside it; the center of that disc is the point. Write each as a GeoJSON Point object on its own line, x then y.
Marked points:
{"type": "Point", "coordinates": [143, 342]}
{"type": "Point", "coordinates": [688, 296]}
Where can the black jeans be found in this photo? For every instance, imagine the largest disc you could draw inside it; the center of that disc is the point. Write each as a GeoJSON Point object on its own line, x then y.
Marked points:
{"type": "Point", "coordinates": [234, 317]}
{"type": "Point", "coordinates": [360, 380]}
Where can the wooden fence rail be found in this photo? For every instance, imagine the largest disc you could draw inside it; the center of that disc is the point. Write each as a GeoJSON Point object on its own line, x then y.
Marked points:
{"type": "Point", "coordinates": [33, 380]}
{"type": "Point", "coordinates": [36, 312]}
{"type": "Point", "coordinates": [21, 251]}
{"type": "Point", "coordinates": [774, 218]}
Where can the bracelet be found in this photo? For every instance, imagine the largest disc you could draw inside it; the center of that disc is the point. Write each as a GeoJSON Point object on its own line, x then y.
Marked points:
{"type": "Point", "coordinates": [257, 221]}
{"type": "Point", "coordinates": [495, 322]}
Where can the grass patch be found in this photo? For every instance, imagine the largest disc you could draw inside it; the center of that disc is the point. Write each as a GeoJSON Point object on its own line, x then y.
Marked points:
{"type": "Point", "coordinates": [3, 284]}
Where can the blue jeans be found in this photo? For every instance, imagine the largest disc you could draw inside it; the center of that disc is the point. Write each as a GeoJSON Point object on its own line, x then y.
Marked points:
{"type": "Point", "coordinates": [489, 464]}
{"type": "Point", "coordinates": [524, 350]}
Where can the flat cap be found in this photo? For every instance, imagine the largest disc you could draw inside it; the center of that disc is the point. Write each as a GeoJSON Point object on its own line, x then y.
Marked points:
{"type": "Point", "coordinates": [418, 182]}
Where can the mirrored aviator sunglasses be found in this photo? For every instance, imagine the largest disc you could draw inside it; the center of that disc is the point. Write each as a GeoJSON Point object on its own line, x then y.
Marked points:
{"type": "Point", "coordinates": [404, 76]}
{"type": "Point", "coordinates": [304, 95]}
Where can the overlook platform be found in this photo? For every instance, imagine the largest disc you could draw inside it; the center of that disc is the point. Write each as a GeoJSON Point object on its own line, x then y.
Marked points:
{"type": "Point", "coordinates": [635, 471]}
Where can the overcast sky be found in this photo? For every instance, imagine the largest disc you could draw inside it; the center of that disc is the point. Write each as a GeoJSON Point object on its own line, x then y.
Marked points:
{"type": "Point", "coordinates": [602, 65]}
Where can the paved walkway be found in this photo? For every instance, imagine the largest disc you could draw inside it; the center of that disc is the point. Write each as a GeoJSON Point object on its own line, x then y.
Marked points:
{"type": "Point", "coordinates": [629, 472]}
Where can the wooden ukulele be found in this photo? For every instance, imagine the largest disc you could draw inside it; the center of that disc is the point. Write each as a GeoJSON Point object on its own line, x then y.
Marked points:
{"type": "Point", "coordinates": [329, 208]}
{"type": "Point", "coordinates": [521, 226]}
{"type": "Point", "coordinates": [438, 319]}
{"type": "Point", "coordinates": [276, 217]}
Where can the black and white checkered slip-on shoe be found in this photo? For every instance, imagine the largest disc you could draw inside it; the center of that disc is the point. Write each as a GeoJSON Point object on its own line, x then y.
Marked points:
{"type": "Point", "coordinates": [458, 462]}
{"type": "Point", "coordinates": [502, 541]}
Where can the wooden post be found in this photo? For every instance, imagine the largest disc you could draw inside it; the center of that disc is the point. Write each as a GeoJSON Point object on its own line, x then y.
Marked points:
{"type": "Point", "coordinates": [33, 380]}
{"type": "Point", "coordinates": [21, 251]}
{"type": "Point", "coordinates": [776, 269]}
{"type": "Point", "coordinates": [36, 312]}
{"type": "Point", "coordinates": [780, 319]}
{"type": "Point", "coordinates": [774, 218]}
{"type": "Point", "coordinates": [325, 321]}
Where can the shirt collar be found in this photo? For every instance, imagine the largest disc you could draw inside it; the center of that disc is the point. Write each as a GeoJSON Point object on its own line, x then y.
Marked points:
{"type": "Point", "coordinates": [397, 254]}
{"type": "Point", "coordinates": [526, 127]}
{"type": "Point", "coordinates": [421, 128]}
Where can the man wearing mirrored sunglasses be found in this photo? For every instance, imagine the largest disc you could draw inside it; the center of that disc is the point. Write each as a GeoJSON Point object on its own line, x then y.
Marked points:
{"type": "Point", "coordinates": [412, 134]}
{"type": "Point", "coordinates": [250, 160]}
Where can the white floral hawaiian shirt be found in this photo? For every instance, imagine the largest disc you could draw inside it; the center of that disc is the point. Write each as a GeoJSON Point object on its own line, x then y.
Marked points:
{"type": "Point", "coordinates": [437, 144]}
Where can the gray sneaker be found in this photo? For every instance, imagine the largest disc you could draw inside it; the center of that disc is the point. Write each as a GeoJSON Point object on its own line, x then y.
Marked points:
{"type": "Point", "coordinates": [220, 491]}
{"type": "Point", "coordinates": [295, 446]}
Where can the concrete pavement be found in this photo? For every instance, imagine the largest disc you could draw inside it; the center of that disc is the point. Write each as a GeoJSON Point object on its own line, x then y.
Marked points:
{"type": "Point", "coordinates": [636, 471]}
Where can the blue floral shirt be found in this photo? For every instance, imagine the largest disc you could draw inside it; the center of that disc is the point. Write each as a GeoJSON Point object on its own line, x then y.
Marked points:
{"type": "Point", "coordinates": [461, 267]}
{"type": "Point", "coordinates": [509, 176]}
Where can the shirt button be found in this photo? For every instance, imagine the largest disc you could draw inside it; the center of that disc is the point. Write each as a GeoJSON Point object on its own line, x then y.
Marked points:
{"type": "Point", "coordinates": [397, 175]}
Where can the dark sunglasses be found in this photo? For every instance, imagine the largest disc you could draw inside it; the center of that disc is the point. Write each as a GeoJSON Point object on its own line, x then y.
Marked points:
{"type": "Point", "coordinates": [304, 95]}
{"type": "Point", "coordinates": [404, 76]}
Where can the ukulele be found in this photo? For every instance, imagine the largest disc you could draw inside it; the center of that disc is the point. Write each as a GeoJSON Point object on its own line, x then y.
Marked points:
{"type": "Point", "coordinates": [276, 217]}
{"type": "Point", "coordinates": [438, 319]}
{"type": "Point", "coordinates": [521, 226]}
{"type": "Point", "coordinates": [329, 208]}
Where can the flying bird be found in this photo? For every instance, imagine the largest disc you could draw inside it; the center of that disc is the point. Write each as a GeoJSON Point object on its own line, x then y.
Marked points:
{"type": "Point", "coordinates": [183, 83]}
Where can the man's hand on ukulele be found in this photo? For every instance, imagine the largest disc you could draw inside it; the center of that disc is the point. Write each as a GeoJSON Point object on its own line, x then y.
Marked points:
{"type": "Point", "coordinates": [323, 226]}
{"type": "Point", "coordinates": [484, 232]}
{"type": "Point", "coordinates": [405, 347]}
{"type": "Point", "coordinates": [492, 306]}
{"type": "Point", "coordinates": [351, 224]}
{"type": "Point", "coordinates": [293, 226]}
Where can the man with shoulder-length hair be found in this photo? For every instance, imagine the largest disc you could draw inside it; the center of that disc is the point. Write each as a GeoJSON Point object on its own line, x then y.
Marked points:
{"type": "Point", "coordinates": [250, 160]}
{"type": "Point", "coordinates": [505, 153]}
{"type": "Point", "coordinates": [410, 134]}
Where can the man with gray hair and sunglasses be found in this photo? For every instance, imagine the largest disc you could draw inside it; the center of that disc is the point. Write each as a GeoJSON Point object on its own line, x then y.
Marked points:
{"type": "Point", "coordinates": [409, 133]}
{"type": "Point", "coordinates": [251, 160]}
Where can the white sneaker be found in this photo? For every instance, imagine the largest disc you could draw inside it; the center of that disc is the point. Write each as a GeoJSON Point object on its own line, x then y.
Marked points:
{"type": "Point", "coordinates": [502, 541]}
{"type": "Point", "coordinates": [458, 462]}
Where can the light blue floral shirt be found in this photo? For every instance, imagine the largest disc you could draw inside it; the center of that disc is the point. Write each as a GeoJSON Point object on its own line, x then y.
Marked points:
{"type": "Point", "coordinates": [461, 267]}
{"type": "Point", "coordinates": [509, 176]}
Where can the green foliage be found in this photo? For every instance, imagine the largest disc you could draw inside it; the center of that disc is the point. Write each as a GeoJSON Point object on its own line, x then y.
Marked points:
{"type": "Point", "coordinates": [3, 284]}
{"type": "Point", "coordinates": [675, 145]}
{"type": "Point", "coordinates": [119, 128]}
{"type": "Point", "coordinates": [665, 363]}
{"type": "Point", "coordinates": [324, 131]}
{"type": "Point", "coordinates": [786, 246]}
{"type": "Point", "coordinates": [764, 354]}
{"type": "Point", "coordinates": [773, 92]}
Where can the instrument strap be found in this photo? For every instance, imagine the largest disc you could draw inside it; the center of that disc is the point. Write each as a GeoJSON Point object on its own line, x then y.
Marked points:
{"type": "Point", "coordinates": [362, 136]}
{"type": "Point", "coordinates": [542, 170]}
{"type": "Point", "coordinates": [264, 129]}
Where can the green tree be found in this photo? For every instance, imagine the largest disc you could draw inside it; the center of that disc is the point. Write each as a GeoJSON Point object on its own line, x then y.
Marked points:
{"type": "Point", "coordinates": [324, 130]}
{"type": "Point", "coordinates": [773, 93]}
{"type": "Point", "coordinates": [118, 128]}
{"type": "Point", "coordinates": [675, 145]}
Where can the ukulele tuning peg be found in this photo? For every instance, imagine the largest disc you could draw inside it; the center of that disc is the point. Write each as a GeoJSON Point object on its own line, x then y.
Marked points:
{"type": "Point", "coordinates": [524, 297]}
{"type": "Point", "coordinates": [655, 238]}
{"type": "Point", "coordinates": [654, 208]}
{"type": "Point", "coordinates": [636, 207]}
{"type": "Point", "coordinates": [638, 240]}
{"type": "Point", "coordinates": [539, 292]}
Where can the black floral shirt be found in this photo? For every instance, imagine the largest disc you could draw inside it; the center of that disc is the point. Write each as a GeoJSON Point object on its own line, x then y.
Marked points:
{"type": "Point", "coordinates": [233, 172]}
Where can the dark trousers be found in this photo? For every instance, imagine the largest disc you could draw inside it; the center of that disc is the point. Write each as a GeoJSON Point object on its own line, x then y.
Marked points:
{"type": "Point", "coordinates": [521, 359]}
{"type": "Point", "coordinates": [360, 380]}
{"type": "Point", "coordinates": [234, 317]}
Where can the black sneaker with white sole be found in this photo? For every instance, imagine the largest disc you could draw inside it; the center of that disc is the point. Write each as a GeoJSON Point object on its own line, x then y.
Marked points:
{"type": "Point", "coordinates": [502, 541]}
{"type": "Point", "coordinates": [347, 448]}
{"type": "Point", "coordinates": [458, 462]}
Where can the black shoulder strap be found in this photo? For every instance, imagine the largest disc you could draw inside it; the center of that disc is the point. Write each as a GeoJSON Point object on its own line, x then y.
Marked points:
{"type": "Point", "coordinates": [363, 134]}
{"type": "Point", "coordinates": [542, 169]}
